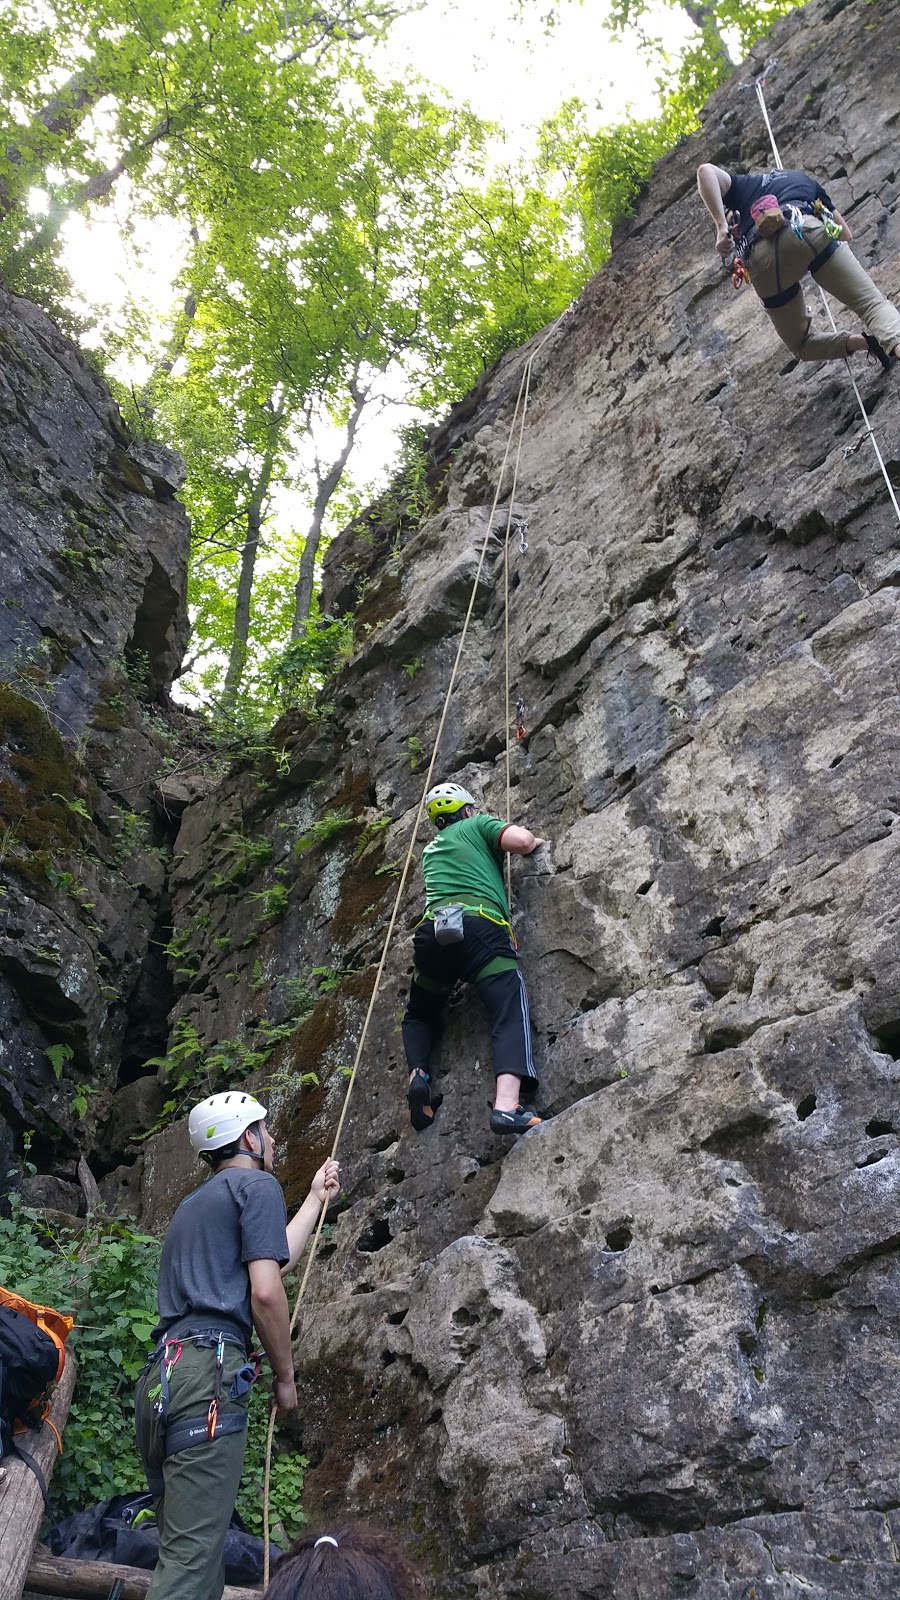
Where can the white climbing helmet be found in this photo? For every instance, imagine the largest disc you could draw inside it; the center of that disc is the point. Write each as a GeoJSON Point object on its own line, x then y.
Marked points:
{"type": "Point", "coordinates": [221, 1119]}
{"type": "Point", "coordinates": [446, 799]}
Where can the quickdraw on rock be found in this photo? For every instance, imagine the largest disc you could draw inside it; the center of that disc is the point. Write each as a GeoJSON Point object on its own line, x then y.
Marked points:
{"type": "Point", "coordinates": [521, 730]}
{"type": "Point", "coordinates": [519, 526]}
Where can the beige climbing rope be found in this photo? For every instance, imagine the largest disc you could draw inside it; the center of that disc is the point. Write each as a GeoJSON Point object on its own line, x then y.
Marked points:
{"type": "Point", "coordinates": [518, 417]}
{"type": "Point", "coordinates": [759, 85]}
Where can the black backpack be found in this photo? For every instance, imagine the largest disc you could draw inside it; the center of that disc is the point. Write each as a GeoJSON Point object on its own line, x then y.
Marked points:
{"type": "Point", "coordinates": [29, 1363]}
{"type": "Point", "coordinates": [124, 1530]}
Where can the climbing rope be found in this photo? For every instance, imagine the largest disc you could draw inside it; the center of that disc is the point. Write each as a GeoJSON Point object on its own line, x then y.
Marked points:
{"type": "Point", "coordinates": [518, 417]}
{"type": "Point", "coordinates": [513, 525]}
{"type": "Point", "coordinates": [758, 85]}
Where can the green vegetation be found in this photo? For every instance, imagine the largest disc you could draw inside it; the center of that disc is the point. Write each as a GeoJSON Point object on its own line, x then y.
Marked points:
{"type": "Point", "coordinates": [609, 168]}
{"type": "Point", "coordinates": [104, 1274]}
{"type": "Point", "coordinates": [286, 1482]}
{"type": "Point", "coordinates": [38, 803]}
{"type": "Point", "coordinates": [340, 237]}
{"type": "Point", "coordinates": [58, 1055]}
{"type": "Point", "coordinates": [249, 856]}
{"type": "Point", "coordinates": [377, 242]}
{"type": "Point", "coordinates": [297, 996]}
{"type": "Point", "coordinates": [132, 836]}
{"type": "Point", "coordinates": [297, 673]}
{"type": "Point", "coordinates": [372, 831]}
{"type": "Point", "coordinates": [191, 1068]}
{"type": "Point", "coordinates": [324, 829]}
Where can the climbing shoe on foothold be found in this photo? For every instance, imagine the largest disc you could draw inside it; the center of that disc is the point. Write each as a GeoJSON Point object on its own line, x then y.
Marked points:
{"type": "Point", "coordinates": [422, 1104]}
{"type": "Point", "coordinates": [518, 1121]}
{"type": "Point", "coordinates": [878, 351]}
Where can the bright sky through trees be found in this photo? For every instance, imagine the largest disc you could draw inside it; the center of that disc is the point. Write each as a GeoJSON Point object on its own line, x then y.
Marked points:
{"type": "Point", "coordinates": [511, 68]}
{"type": "Point", "coordinates": [283, 228]}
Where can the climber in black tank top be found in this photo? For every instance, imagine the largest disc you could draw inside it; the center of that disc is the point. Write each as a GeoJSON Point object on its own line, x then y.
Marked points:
{"type": "Point", "coordinates": [783, 225]}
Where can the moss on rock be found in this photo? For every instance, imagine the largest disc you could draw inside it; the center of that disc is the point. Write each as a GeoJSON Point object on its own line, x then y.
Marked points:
{"type": "Point", "coordinates": [38, 788]}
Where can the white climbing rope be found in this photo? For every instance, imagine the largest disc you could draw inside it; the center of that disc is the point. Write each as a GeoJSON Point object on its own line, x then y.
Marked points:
{"type": "Point", "coordinates": [518, 417]}
{"type": "Point", "coordinates": [759, 85]}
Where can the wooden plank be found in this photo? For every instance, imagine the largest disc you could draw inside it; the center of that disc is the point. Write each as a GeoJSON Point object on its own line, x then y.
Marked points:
{"type": "Point", "coordinates": [92, 1580]}
{"type": "Point", "coordinates": [21, 1502]}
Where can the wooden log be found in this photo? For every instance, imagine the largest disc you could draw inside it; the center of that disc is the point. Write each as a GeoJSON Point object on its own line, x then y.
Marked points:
{"type": "Point", "coordinates": [21, 1501]}
{"type": "Point", "coordinates": [92, 1580]}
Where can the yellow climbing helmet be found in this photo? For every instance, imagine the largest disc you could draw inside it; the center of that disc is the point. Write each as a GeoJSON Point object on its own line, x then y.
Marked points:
{"type": "Point", "coordinates": [445, 800]}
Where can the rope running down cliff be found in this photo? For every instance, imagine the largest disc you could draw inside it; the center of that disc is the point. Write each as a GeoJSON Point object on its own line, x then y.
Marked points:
{"type": "Point", "coordinates": [758, 85]}
{"type": "Point", "coordinates": [518, 417]}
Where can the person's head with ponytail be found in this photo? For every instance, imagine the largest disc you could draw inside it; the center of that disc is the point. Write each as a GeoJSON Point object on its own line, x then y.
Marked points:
{"type": "Point", "coordinates": [345, 1563]}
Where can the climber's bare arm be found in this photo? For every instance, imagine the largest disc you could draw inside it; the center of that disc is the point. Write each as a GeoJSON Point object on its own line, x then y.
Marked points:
{"type": "Point", "coordinates": [713, 184]}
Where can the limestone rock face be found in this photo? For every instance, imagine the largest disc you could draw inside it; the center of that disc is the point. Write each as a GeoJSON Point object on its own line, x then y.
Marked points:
{"type": "Point", "coordinates": [650, 1349]}
{"type": "Point", "coordinates": [92, 628]}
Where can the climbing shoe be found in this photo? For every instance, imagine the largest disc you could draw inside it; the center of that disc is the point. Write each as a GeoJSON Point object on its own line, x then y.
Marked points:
{"type": "Point", "coordinates": [518, 1121]}
{"type": "Point", "coordinates": [422, 1104]}
{"type": "Point", "coordinates": [878, 351]}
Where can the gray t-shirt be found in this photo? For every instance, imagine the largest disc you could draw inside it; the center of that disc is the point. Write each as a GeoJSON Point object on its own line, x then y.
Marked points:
{"type": "Point", "coordinates": [234, 1217]}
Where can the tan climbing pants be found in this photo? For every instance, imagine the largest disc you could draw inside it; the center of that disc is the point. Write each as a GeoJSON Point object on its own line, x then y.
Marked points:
{"type": "Point", "coordinates": [776, 264]}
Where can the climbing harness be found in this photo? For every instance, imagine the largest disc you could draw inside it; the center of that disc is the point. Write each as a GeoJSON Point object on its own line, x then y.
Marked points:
{"type": "Point", "coordinates": [201, 1429]}
{"type": "Point", "coordinates": [758, 85]}
{"type": "Point", "coordinates": [474, 911]}
{"type": "Point", "coordinates": [518, 418]}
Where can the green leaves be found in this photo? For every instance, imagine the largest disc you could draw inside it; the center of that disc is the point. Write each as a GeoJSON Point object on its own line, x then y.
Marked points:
{"type": "Point", "coordinates": [58, 1055]}
{"type": "Point", "coordinates": [105, 1275]}
{"type": "Point", "coordinates": [286, 1482]}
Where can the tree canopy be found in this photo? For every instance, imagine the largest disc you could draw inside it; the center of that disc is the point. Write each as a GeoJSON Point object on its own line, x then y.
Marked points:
{"type": "Point", "coordinates": [345, 241]}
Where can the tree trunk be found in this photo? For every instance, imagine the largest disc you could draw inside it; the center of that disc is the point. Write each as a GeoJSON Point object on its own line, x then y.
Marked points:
{"type": "Point", "coordinates": [703, 16]}
{"type": "Point", "coordinates": [145, 399]}
{"type": "Point", "coordinates": [64, 1575]}
{"type": "Point", "coordinates": [97, 187]}
{"type": "Point", "coordinates": [327, 484]}
{"type": "Point", "coordinates": [61, 115]}
{"type": "Point", "coordinates": [21, 1501]}
{"type": "Point", "coordinates": [238, 656]}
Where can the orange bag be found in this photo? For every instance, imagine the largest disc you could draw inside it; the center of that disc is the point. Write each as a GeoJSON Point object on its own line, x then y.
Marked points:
{"type": "Point", "coordinates": [54, 1323]}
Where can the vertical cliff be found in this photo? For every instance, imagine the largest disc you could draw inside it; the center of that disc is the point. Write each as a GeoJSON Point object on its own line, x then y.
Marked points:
{"type": "Point", "coordinates": [92, 628]}
{"type": "Point", "coordinates": [648, 1350]}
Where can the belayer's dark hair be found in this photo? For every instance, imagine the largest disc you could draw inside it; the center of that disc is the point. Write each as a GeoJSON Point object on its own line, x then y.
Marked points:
{"type": "Point", "coordinates": [445, 819]}
{"type": "Point", "coordinates": [226, 1152]}
{"type": "Point", "coordinates": [345, 1563]}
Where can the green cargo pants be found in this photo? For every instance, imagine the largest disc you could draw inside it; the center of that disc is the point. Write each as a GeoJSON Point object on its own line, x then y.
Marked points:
{"type": "Point", "coordinates": [200, 1483]}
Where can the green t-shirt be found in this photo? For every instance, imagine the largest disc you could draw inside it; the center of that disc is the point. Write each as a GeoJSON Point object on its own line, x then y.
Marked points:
{"type": "Point", "coordinates": [463, 866]}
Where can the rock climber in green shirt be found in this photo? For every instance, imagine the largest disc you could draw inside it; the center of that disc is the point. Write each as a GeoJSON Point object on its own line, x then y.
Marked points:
{"type": "Point", "coordinates": [465, 935]}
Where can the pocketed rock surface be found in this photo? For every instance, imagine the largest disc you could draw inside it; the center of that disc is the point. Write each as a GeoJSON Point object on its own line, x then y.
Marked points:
{"type": "Point", "coordinates": [649, 1350]}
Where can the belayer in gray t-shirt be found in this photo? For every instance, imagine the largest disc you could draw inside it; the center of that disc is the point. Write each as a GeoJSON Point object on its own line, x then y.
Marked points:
{"type": "Point", "coordinates": [225, 1253]}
